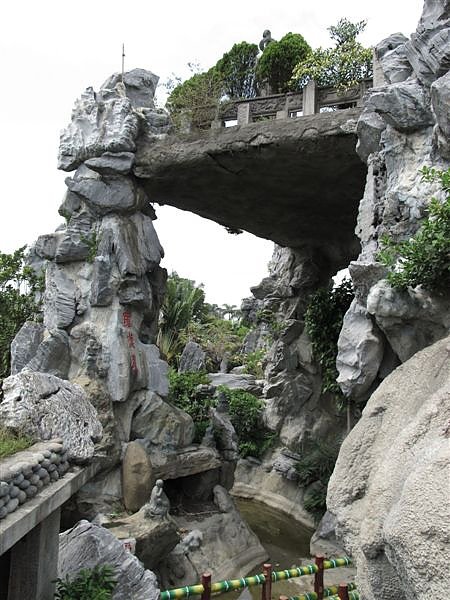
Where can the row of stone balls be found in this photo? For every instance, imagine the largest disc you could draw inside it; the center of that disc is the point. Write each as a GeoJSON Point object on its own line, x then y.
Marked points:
{"type": "Point", "coordinates": [33, 470]}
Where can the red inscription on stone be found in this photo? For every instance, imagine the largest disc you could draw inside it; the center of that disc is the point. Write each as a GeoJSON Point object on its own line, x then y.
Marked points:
{"type": "Point", "coordinates": [130, 339]}
{"type": "Point", "coordinates": [126, 318]}
{"type": "Point", "coordinates": [133, 363]}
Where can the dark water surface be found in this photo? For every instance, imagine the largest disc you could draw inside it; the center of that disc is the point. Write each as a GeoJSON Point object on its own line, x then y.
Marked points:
{"type": "Point", "coordinates": [287, 545]}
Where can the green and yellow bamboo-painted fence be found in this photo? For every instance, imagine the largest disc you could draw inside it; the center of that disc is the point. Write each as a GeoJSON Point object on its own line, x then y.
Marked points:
{"type": "Point", "coordinates": [205, 589]}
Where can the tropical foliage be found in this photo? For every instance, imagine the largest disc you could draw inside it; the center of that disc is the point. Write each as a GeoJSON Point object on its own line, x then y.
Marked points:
{"type": "Point", "coordinates": [184, 394]}
{"type": "Point", "coordinates": [424, 259]}
{"type": "Point", "coordinates": [20, 288]}
{"type": "Point", "coordinates": [342, 66]}
{"type": "Point", "coordinates": [89, 584]}
{"type": "Point", "coordinates": [323, 321]}
{"type": "Point", "coordinates": [314, 470]}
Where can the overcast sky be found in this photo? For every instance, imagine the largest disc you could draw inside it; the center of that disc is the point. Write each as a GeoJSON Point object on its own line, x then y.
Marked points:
{"type": "Point", "coordinates": [52, 50]}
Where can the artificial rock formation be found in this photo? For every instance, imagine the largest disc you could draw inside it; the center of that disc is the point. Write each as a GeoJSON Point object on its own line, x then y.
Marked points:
{"type": "Point", "coordinates": [389, 490]}
{"type": "Point", "coordinates": [403, 127]}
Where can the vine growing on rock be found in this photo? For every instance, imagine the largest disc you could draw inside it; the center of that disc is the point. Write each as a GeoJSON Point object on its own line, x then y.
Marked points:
{"type": "Point", "coordinates": [323, 322]}
{"type": "Point", "coordinates": [424, 259]}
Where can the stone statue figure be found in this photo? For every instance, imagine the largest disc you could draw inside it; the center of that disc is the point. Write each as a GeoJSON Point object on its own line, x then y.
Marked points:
{"type": "Point", "coordinates": [266, 39]}
{"type": "Point", "coordinates": [158, 506]}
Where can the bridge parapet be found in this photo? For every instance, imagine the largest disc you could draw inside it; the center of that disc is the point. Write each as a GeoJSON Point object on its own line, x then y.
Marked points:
{"type": "Point", "coordinates": [310, 100]}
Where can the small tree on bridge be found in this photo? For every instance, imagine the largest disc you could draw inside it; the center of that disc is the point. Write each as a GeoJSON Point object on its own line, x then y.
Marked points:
{"type": "Point", "coordinates": [342, 66]}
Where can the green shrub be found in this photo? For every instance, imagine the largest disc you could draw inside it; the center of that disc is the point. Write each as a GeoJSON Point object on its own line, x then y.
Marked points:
{"type": "Point", "coordinates": [236, 70]}
{"type": "Point", "coordinates": [89, 584]}
{"type": "Point", "coordinates": [19, 291]}
{"type": "Point", "coordinates": [246, 412]}
{"type": "Point", "coordinates": [314, 470]}
{"type": "Point", "coordinates": [279, 59]}
{"type": "Point", "coordinates": [424, 259]}
{"type": "Point", "coordinates": [342, 66]}
{"type": "Point", "coordinates": [323, 322]}
{"type": "Point", "coordinates": [11, 442]}
{"type": "Point", "coordinates": [253, 363]}
{"type": "Point", "coordinates": [183, 394]}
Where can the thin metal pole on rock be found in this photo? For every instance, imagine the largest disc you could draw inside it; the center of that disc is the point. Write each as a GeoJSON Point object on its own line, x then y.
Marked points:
{"type": "Point", "coordinates": [123, 60]}
{"type": "Point", "coordinates": [318, 577]}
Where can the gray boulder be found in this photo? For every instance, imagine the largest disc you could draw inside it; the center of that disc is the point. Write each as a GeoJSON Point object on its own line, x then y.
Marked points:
{"type": "Point", "coordinates": [47, 407]}
{"type": "Point", "coordinates": [404, 105]}
{"type": "Point", "coordinates": [440, 98]}
{"type": "Point", "coordinates": [369, 129]}
{"type": "Point", "coordinates": [60, 298]}
{"type": "Point", "coordinates": [192, 358]}
{"type": "Point", "coordinates": [387, 490]}
{"type": "Point", "coordinates": [160, 423]}
{"type": "Point", "coordinates": [360, 352]}
{"type": "Point", "coordinates": [428, 50]}
{"type": "Point", "coordinates": [140, 86]}
{"type": "Point", "coordinates": [136, 477]}
{"type": "Point", "coordinates": [236, 381]}
{"type": "Point", "coordinates": [101, 122]}
{"type": "Point", "coordinates": [411, 319]}
{"type": "Point", "coordinates": [53, 355]}
{"type": "Point", "coordinates": [86, 546]}
{"type": "Point", "coordinates": [25, 344]}
{"type": "Point", "coordinates": [112, 163]}
{"type": "Point", "coordinates": [391, 53]}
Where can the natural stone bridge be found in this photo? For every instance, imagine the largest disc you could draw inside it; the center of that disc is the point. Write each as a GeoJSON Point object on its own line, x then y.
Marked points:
{"type": "Point", "coordinates": [294, 181]}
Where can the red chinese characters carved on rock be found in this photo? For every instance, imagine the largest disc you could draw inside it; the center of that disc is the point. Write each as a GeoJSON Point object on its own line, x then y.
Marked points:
{"type": "Point", "coordinates": [130, 339]}
{"type": "Point", "coordinates": [134, 363]}
{"type": "Point", "coordinates": [126, 318]}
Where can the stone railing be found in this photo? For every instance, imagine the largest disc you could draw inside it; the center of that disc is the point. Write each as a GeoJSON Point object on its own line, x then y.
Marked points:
{"type": "Point", "coordinates": [25, 473]}
{"type": "Point", "coordinates": [310, 100]}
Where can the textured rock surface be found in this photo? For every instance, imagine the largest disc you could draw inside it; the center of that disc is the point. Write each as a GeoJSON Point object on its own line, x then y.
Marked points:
{"type": "Point", "coordinates": [192, 358]}
{"type": "Point", "coordinates": [87, 545]}
{"type": "Point", "coordinates": [47, 407]}
{"type": "Point", "coordinates": [155, 538]}
{"type": "Point", "coordinates": [403, 127]}
{"type": "Point", "coordinates": [223, 545]}
{"type": "Point", "coordinates": [215, 176]}
{"type": "Point", "coordinates": [389, 489]}
{"type": "Point", "coordinates": [136, 477]}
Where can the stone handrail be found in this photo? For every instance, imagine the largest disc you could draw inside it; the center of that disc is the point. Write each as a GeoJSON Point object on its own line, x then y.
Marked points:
{"type": "Point", "coordinates": [25, 473]}
{"type": "Point", "coordinates": [308, 101]}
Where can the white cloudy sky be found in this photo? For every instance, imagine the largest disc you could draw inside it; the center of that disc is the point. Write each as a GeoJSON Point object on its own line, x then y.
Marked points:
{"type": "Point", "coordinates": [52, 50]}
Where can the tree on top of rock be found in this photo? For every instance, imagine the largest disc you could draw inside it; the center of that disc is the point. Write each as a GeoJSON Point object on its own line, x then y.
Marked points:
{"type": "Point", "coordinates": [342, 66]}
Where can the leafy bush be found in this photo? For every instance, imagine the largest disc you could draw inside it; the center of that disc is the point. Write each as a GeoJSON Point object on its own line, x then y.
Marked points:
{"type": "Point", "coordinates": [253, 363]}
{"type": "Point", "coordinates": [424, 259]}
{"type": "Point", "coordinates": [279, 59]}
{"type": "Point", "coordinates": [197, 98]}
{"type": "Point", "coordinates": [246, 412]}
{"type": "Point", "coordinates": [236, 70]}
{"type": "Point", "coordinates": [323, 322]}
{"type": "Point", "coordinates": [314, 470]}
{"type": "Point", "coordinates": [11, 442]}
{"type": "Point", "coordinates": [219, 338]}
{"type": "Point", "coordinates": [89, 584]}
{"type": "Point", "coordinates": [19, 286]}
{"type": "Point", "coordinates": [183, 394]}
{"type": "Point", "coordinates": [342, 66]}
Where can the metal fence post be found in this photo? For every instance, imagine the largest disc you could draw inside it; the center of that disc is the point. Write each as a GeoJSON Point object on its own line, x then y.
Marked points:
{"type": "Point", "coordinates": [318, 577]}
{"type": "Point", "coordinates": [206, 583]}
{"type": "Point", "coordinates": [266, 592]}
{"type": "Point", "coordinates": [343, 591]}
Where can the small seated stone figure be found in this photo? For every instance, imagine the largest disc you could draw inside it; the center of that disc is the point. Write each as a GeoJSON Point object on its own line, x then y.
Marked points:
{"type": "Point", "coordinates": [159, 505]}
{"type": "Point", "coordinates": [266, 39]}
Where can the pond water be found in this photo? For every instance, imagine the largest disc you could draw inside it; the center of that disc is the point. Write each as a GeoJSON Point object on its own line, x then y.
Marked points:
{"type": "Point", "coordinates": [287, 545]}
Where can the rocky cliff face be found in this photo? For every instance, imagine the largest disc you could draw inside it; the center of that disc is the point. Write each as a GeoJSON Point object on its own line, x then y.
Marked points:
{"type": "Point", "coordinates": [389, 490]}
